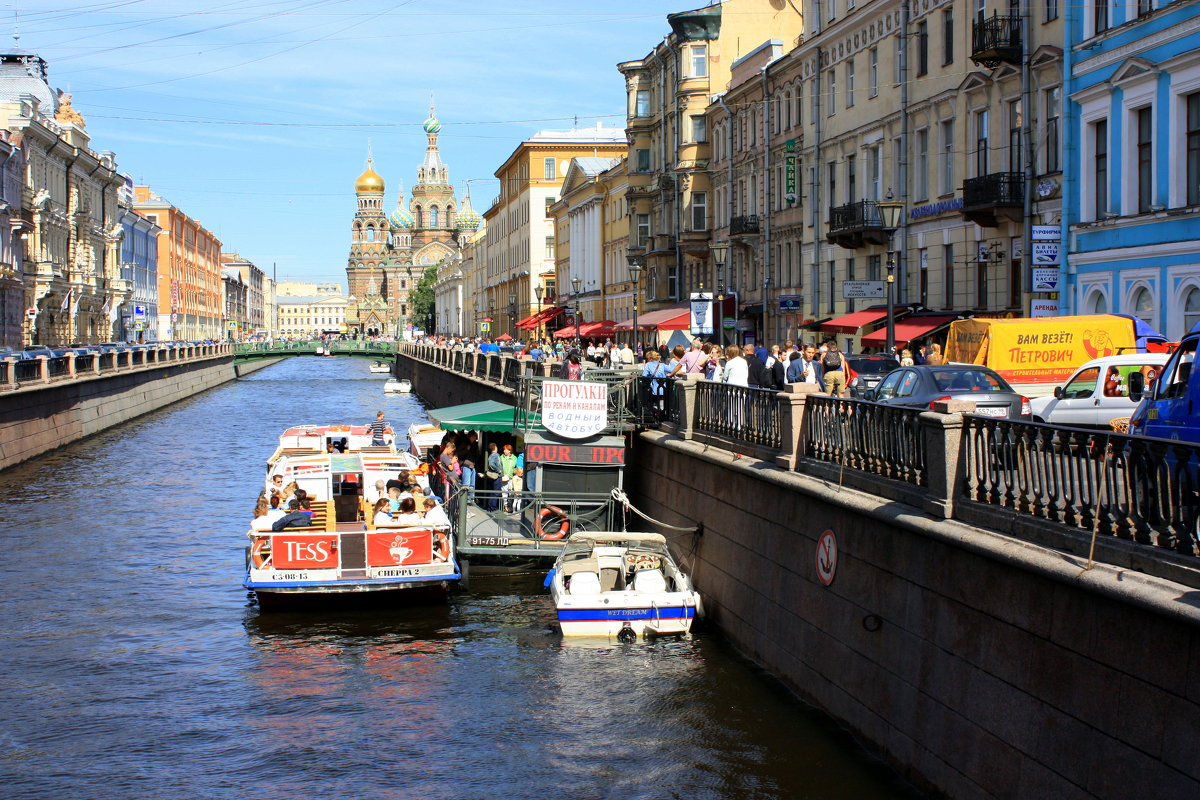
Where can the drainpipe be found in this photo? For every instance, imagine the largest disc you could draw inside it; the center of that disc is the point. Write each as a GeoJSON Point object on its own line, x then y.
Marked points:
{"type": "Point", "coordinates": [767, 264]}
{"type": "Point", "coordinates": [1068, 115]}
{"type": "Point", "coordinates": [1027, 155]}
{"type": "Point", "coordinates": [902, 250]}
{"type": "Point", "coordinates": [662, 97]}
{"type": "Point", "coordinates": [728, 266]}
{"type": "Point", "coordinates": [815, 180]}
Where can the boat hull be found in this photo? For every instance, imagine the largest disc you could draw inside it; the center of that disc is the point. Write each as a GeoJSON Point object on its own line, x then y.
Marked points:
{"type": "Point", "coordinates": [642, 620]}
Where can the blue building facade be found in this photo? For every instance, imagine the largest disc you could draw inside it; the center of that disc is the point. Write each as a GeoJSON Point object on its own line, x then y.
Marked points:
{"type": "Point", "coordinates": [136, 320]}
{"type": "Point", "coordinates": [1131, 207]}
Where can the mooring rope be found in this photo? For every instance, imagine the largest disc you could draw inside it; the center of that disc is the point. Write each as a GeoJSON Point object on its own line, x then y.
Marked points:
{"type": "Point", "coordinates": [622, 498]}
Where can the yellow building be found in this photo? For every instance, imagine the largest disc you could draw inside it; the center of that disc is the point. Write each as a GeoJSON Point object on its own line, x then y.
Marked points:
{"type": "Point", "coordinates": [305, 317]}
{"type": "Point", "coordinates": [669, 91]}
{"type": "Point", "coordinates": [520, 243]}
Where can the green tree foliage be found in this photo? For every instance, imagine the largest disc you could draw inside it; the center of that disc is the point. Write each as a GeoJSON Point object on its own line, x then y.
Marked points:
{"type": "Point", "coordinates": [423, 301]}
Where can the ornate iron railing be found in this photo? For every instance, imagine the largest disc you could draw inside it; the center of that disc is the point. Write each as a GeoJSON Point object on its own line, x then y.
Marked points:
{"type": "Point", "coordinates": [747, 223]}
{"type": "Point", "coordinates": [1129, 487]}
{"type": "Point", "coordinates": [997, 39]}
{"type": "Point", "coordinates": [882, 440]}
{"type": "Point", "coordinates": [997, 189]}
{"type": "Point", "coordinates": [855, 216]}
{"type": "Point", "coordinates": [748, 415]}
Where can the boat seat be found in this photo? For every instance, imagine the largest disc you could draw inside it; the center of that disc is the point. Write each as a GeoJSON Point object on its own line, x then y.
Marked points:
{"type": "Point", "coordinates": [649, 581]}
{"type": "Point", "coordinates": [585, 583]}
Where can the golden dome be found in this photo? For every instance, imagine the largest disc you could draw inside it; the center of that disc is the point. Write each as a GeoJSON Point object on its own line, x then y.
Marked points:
{"type": "Point", "coordinates": [370, 182]}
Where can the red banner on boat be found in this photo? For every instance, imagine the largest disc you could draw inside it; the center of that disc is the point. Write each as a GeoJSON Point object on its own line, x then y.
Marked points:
{"type": "Point", "coordinates": [295, 551]}
{"type": "Point", "coordinates": [394, 548]}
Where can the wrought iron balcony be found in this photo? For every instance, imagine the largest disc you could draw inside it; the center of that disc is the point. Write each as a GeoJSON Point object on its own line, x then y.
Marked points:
{"type": "Point", "coordinates": [988, 198]}
{"type": "Point", "coordinates": [856, 225]}
{"type": "Point", "coordinates": [739, 226]}
{"type": "Point", "coordinates": [996, 40]}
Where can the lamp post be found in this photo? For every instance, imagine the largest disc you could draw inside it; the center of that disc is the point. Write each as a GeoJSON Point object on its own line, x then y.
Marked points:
{"type": "Point", "coordinates": [637, 263]}
{"type": "Point", "coordinates": [577, 285]}
{"type": "Point", "coordinates": [890, 210]}
{"type": "Point", "coordinates": [719, 253]}
{"type": "Point", "coordinates": [537, 292]}
{"type": "Point", "coordinates": [512, 314]}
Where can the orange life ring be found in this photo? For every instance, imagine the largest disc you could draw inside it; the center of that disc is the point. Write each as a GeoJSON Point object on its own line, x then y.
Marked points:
{"type": "Point", "coordinates": [549, 511]}
{"type": "Point", "coordinates": [260, 553]}
{"type": "Point", "coordinates": [441, 546]}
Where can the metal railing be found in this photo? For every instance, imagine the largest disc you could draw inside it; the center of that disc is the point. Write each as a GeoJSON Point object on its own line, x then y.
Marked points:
{"type": "Point", "coordinates": [738, 412]}
{"type": "Point", "coordinates": [747, 223]}
{"type": "Point", "coordinates": [1130, 487]}
{"type": "Point", "coordinates": [855, 216]}
{"type": "Point", "coordinates": [997, 189]}
{"type": "Point", "coordinates": [996, 39]}
{"type": "Point", "coordinates": [882, 440]}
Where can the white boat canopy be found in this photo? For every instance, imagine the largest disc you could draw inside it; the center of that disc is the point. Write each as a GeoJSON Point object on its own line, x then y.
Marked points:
{"type": "Point", "coordinates": [610, 537]}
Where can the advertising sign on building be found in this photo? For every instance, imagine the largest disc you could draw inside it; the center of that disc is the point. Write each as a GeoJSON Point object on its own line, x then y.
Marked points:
{"type": "Point", "coordinates": [574, 409]}
{"type": "Point", "coordinates": [702, 313]}
{"type": "Point", "coordinates": [1045, 253]}
{"type": "Point", "coordinates": [790, 303]}
{"type": "Point", "coordinates": [139, 312]}
{"type": "Point", "coordinates": [1043, 308]}
{"type": "Point", "coordinates": [1045, 279]}
{"type": "Point", "coordinates": [1046, 233]}
{"type": "Point", "coordinates": [857, 289]}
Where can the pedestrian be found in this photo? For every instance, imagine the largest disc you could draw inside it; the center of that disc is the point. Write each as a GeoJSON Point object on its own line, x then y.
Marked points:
{"type": "Point", "coordinates": [713, 370]}
{"type": "Point", "coordinates": [626, 356]}
{"type": "Point", "coordinates": [906, 358]}
{"type": "Point", "coordinates": [493, 475]}
{"type": "Point", "coordinates": [574, 368]}
{"type": "Point", "coordinates": [812, 366]}
{"type": "Point", "coordinates": [935, 355]}
{"type": "Point", "coordinates": [775, 368]}
{"type": "Point", "coordinates": [695, 358]}
{"type": "Point", "coordinates": [676, 367]}
{"type": "Point", "coordinates": [508, 468]}
{"type": "Point", "coordinates": [737, 371]}
{"type": "Point", "coordinates": [833, 364]}
{"type": "Point", "coordinates": [756, 369]}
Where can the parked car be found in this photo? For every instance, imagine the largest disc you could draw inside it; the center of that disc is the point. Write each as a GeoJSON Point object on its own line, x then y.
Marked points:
{"type": "Point", "coordinates": [922, 386]}
{"type": "Point", "coordinates": [871, 370]}
{"type": "Point", "coordinates": [1169, 406]}
{"type": "Point", "coordinates": [1098, 392]}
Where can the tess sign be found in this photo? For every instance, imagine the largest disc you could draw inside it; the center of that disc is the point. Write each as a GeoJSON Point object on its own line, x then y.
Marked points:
{"type": "Point", "coordinates": [574, 409]}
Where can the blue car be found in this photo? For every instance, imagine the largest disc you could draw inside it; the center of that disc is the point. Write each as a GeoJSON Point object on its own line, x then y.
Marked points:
{"type": "Point", "coordinates": [1170, 404]}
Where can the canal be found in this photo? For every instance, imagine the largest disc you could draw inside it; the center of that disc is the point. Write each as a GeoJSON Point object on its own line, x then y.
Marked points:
{"type": "Point", "coordinates": [135, 665]}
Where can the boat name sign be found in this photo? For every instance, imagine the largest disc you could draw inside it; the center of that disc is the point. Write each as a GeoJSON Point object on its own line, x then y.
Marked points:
{"type": "Point", "coordinates": [574, 409]}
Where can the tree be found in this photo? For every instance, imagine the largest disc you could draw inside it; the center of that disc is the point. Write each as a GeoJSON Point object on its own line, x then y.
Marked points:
{"type": "Point", "coordinates": [422, 300]}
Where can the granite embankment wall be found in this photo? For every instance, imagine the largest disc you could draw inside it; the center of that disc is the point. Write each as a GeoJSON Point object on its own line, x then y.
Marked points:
{"type": "Point", "coordinates": [979, 665]}
{"type": "Point", "coordinates": [37, 418]}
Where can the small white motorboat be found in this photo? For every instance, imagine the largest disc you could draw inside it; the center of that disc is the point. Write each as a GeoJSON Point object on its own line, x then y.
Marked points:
{"type": "Point", "coordinates": [402, 385]}
{"type": "Point", "coordinates": [621, 584]}
{"type": "Point", "coordinates": [380, 368]}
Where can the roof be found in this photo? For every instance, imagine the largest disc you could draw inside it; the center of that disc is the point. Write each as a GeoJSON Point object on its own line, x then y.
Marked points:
{"type": "Point", "coordinates": [592, 165]}
{"type": "Point", "coordinates": [486, 415]}
{"type": "Point", "coordinates": [24, 73]}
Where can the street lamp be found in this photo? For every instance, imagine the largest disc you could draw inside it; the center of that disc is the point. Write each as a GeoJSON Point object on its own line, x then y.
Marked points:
{"type": "Point", "coordinates": [577, 285]}
{"type": "Point", "coordinates": [512, 314]}
{"type": "Point", "coordinates": [637, 263]}
{"type": "Point", "coordinates": [719, 253]}
{"type": "Point", "coordinates": [891, 210]}
{"type": "Point", "coordinates": [537, 292]}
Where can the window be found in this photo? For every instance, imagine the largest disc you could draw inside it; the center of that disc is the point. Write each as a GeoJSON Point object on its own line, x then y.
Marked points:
{"type": "Point", "coordinates": [1144, 7]}
{"type": "Point", "coordinates": [1014, 136]}
{"type": "Point", "coordinates": [850, 83]}
{"type": "Point", "coordinates": [1100, 166]}
{"type": "Point", "coordinates": [642, 159]}
{"type": "Point", "coordinates": [699, 211]}
{"type": "Point", "coordinates": [875, 165]}
{"type": "Point", "coordinates": [922, 165]}
{"type": "Point", "coordinates": [832, 280]}
{"type": "Point", "coordinates": [1191, 309]}
{"type": "Point", "coordinates": [549, 205]}
{"type": "Point", "coordinates": [948, 268]}
{"type": "Point", "coordinates": [922, 48]}
{"type": "Point", "coordinates": [548, 169]}
{"type": "Point", "coordinates": [831, 172]}
{"type": "Point", "coordinates": [1145, 160]}
{"type": "Point", "coordinates": [873, 73]}
{"type": "Point", "coordinates": [981, 143]}
{"type": "Point", "coordinates": [1053, 104]}
{"type": "Point", "coordinates": [948, 36]}
{"type": "Point", "coordinates": [923, 271]}
{"type": "Point", "coordinates": [947, 170]}
{"type": "Point", "coordinates": [641, 107]}
{"type": "Point", "coordinates": [643, 229]}
{"type": "Point", "coordinates": [550, 247]}
{"type": "Point", "coordinates": [1051, 10]}
{"type": "Point", "coordinates": [832, 93]}
{"type": "Point", "coordinates": [851, 179]}
{"type": "Point", "coordinates": [799, 102]}
{"type": "Point", "coordinates": [1143, 306]}
{"type": "Point", "coordinates": [1193, 151]}
{"type": "Point", "coordinates": [699, 57]}
{"type": "Point", "coordinates": [1100, 16]}
{"type": "Point", "coordinates": [699, 128]}
{"type": "Point", "coordinates": [433, 217]}
{"type": "Point", "coordinates": [1097, 303]}
{"type": "Point", "coordinates": [673, 282]}
{"type": "Point", "coordinates": [832, 6]}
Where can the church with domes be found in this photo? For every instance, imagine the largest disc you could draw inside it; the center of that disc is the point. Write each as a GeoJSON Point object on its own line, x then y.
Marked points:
{"type": "Point", "coordinates": [390, 252]}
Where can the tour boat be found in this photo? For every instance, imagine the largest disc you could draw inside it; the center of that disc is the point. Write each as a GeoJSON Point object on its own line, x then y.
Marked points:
{"type": "Point", "coordinates": [310, 439]}
{"type": "Point", "coordinates": [380, 368]}
{"type": "Point", "coordinates": [342, 553]}
{"type": "Point", "coordinates": [402, 385]}
{"type": "Point", "coordinates": [621, 584]}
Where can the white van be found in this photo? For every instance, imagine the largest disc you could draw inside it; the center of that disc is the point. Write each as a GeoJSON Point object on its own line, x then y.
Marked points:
{"type": "Point", "coordinates": [1098, 392]}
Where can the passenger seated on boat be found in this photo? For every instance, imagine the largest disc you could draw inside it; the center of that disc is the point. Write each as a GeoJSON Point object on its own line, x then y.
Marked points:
{"type": "Point", "coordinates": [401, 481]}
{"type": "Point", "coordinates": [275, 485]}
{"type": "Point", "coordinates": [382, 512]}
{"type": "Point", "coordinates": [585, 583]}
{"type": "Point", "coordinates": [296, 517]}
{"type": "Point", "coordinates": [649, 581]}
{"type": "Point", "coordinates": [266, 512]}
{"type": "Point", "coordinates": [434, 514]}
{"type": "Point", "coordinates": [394, 498]}
{"type": "Point", "coordinates": [407, 514]}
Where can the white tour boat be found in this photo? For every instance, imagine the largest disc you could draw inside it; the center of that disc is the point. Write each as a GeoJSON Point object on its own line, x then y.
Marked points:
{"type": "Point", "coordinates": [621, 584]}
{"type": "Point", "coordinates": [380, 368]}
{"type": "Point", "coordinates": [402, 385]}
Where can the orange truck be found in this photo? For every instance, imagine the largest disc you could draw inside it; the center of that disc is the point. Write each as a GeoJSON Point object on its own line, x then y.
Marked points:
{"type": "Point", "coordinates": [1039, 349]}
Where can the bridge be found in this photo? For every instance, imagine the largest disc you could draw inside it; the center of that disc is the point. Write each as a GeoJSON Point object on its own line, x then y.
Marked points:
{"type": "Point", "coordinates": [376, 351]}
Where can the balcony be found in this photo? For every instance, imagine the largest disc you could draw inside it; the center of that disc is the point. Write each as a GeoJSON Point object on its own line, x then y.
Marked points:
{"type": "Point", "coordinates": [991, 198]}
{"type": "Point", "coordinates": [856, 225]}
{"type": "Point", "coordinates": [996, 40]}
{"type": "Point", "coordinates": [743, 225]}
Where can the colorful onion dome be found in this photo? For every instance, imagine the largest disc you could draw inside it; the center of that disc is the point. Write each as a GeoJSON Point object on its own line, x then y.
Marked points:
{"type": "Point", "coordinates": [401, 220]}
{"type": "Point", "coordinates": [432, 125]}
{"type": "Point", "coordinates": [468, 219]}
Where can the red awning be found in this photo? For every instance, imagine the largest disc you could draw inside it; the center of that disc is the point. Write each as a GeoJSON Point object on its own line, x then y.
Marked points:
{"type": "Point", "coordinates": [851, 323]}
{"type": "Point", "coordinates": [591, 330]}
{"type": "Point", "coordinates": [504, 337]}
{"type": "Point", "coordinates": [677, 318]}
{"type": "Point", "coordinates": [908, 329]}
{"type": "Point", "coordinates": [540, 318]}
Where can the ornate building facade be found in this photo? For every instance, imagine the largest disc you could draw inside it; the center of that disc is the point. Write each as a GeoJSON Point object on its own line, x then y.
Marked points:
{"type": "Point", "coordinates": [389, 253]}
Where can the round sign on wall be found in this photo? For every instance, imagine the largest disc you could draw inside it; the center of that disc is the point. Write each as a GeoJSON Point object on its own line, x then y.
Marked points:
{"type": "Point", "coordinates": [827, 557]}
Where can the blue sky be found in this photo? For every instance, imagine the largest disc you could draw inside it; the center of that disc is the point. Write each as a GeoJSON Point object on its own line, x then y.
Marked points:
{"type": "Point", "coordinates": [254, 116]}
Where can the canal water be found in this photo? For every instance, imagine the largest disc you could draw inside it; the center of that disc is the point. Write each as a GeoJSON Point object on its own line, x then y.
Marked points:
{"type": "Point", "coordinates": [134, 664]}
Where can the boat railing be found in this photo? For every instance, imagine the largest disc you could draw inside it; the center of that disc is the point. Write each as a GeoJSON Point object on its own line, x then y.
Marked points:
{"type": "Point", "coordinates": [527, 523]}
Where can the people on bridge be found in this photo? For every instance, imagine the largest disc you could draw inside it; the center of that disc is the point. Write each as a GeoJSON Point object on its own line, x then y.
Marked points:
{"type": "Point", "coordinates": [833, 364]}
{"type": "Point", "coordinates": [737, 371]}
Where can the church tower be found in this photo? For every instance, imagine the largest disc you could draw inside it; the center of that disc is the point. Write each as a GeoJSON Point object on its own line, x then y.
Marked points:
{"type": "Point", "coordinates": [433, 207]}
{"type": "Point", "coordinates": [369, 244]}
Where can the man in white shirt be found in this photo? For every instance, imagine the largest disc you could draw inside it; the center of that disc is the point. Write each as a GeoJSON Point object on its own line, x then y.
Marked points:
{"type": "Point", "coordinates": [626, 354]}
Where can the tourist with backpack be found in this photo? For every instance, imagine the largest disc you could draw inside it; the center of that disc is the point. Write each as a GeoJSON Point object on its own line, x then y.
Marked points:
{"type": "Point", "coordinates": [833, 364]}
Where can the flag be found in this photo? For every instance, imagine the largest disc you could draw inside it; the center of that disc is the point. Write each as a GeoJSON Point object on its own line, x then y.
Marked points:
{"type": "Point", "coordinates": [75, 306]}
{"type": "Point", "coordinates": [107, 304]}
{"type": "Point", "coordinates": [66, 303]}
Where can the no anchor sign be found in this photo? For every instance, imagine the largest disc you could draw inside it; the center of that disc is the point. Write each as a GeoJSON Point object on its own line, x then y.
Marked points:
{"type": "Point", "coordinates": [574, 409]}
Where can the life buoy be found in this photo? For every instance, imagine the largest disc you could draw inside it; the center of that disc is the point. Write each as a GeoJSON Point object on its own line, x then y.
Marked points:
{"type": "Point", "coordinates": [260, 553]}
{"type": "Point", "coordinates": [547, 512]}
{"type": "Point", "coordinates": [441, 546]}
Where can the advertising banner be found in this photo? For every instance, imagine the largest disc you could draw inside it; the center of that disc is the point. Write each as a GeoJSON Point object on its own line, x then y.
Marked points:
{"type": "Point", "coordinates": [702, 314]}
{"type": "Point", "coordinates": [1045, 253]}
{"type": "Point", "coordinates": [304, 551]}
{"type": "Point", "coordinates": [574, 409]}
{"type": "Point", "coordinates": [1045, 279]}
{"type": "Point", "coordinates": [395, 548]}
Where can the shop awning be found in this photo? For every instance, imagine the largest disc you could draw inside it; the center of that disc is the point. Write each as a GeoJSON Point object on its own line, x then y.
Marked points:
{"type": "Point", "coordinates": [851, 323]}
{"type": "Point", "coordinates": [486, 415]}
{"type": "Point", "coordinates": [590, 330]}
{"type": "Point", "coordinates": [677, 318]}
{"type": "Point", "coordinates": [540, 318]}
{"type": "Point", "coordinates": [908, 329]}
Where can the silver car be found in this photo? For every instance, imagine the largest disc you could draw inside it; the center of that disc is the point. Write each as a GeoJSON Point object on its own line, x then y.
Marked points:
{"type": "Point", "coordinates": [922, 386]}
